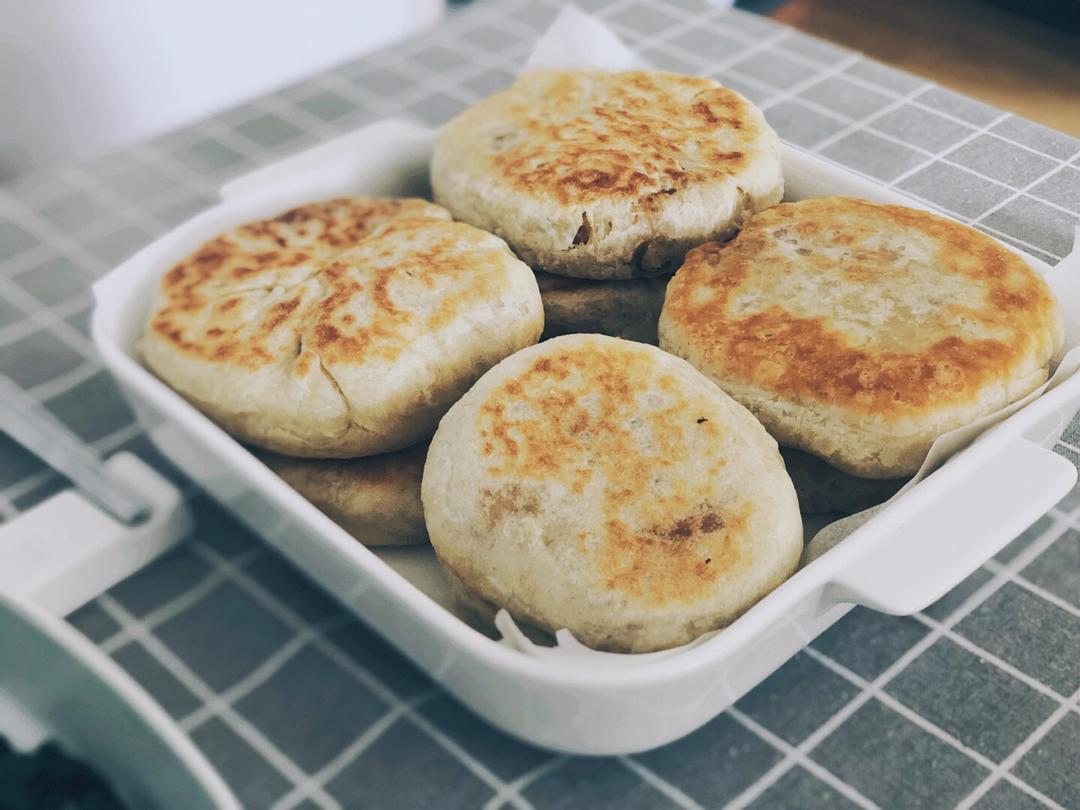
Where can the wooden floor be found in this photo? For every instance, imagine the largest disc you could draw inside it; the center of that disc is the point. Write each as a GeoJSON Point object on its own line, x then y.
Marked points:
{"type": "Point", "coordinates": [1003, 59]}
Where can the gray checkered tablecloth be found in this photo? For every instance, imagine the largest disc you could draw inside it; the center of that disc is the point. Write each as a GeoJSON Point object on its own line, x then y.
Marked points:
{"type": "Point", "coordinates": [970, 703]}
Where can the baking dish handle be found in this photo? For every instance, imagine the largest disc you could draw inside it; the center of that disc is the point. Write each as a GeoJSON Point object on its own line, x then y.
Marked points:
{"type": "Point", "coordinates": [928, 554]}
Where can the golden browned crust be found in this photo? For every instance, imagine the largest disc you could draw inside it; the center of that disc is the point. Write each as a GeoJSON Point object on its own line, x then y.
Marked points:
{"type": "Point", "coordinates": [605, 486]}
{"type": "Point", "coordinates": [341, 328]}
{"type": "Point", "coordinates": [882, 312]}
{"type": "Point", "coordinates": [599, 174]}
{"type": "Point", "coordinates": [639, 135]}
{"type": "Point", "coordinates": [295, 249]}
{"type": "Point", "coordinates": [569, 440]}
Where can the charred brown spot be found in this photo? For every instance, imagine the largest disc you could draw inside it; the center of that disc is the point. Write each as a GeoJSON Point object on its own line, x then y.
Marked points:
{"type": "Point", "coordinates": [293, 215]}
{"type": "Point", "coordinates": [703, 110]}
{"type": "Point", "coordinates": [682, 530]}
{"type": "Point", "coordinates": [325, 334]}
{"type": "Point", "coordinates": [711, 522]}
{"type": "Point", "coordinates": [280, 312]}
{"type": "Point", "coordinates": [209, 259]}
{"type": "Point", "coordinates": [584, 232]}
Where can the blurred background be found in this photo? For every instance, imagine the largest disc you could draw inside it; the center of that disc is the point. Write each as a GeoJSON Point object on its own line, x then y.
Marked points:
{"type": "Point", "coordinates": [80, 78]}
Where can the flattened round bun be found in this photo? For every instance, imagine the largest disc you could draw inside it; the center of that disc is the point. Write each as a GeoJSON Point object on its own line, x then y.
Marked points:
{"type": "Point", "coordinates": [861, 332]}
{"type": "Point", "coordinates": [342, 328]}
{"type": "Point", "coordinates": [822, 488]}
{"type": "Point", "coordinates": [607, 487]}
{"type": "Point", "coordinates": [375, 499]}
{"type": "Point", "coordinates": [596, 174]}
{"type": "Point", "coordinates": [626, 309]}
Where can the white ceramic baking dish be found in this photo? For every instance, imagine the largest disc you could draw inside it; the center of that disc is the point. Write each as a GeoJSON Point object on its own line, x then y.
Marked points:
{"type": "Point", "coordinates": [906, 557]}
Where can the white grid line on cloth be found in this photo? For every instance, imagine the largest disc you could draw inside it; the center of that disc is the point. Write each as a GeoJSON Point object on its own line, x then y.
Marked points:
{"type": "Point", "coordinates": [796, 757]}
{"type": "Point", "coordinates": [1005, 573]}
{"type": "Point", "coordinates": [873, 690]}
{"type": "Point", "coordinates": [64, 381]}
{"type": "Point", "coordinates": [1023, 191]}
{"type": "Point", "coordinates": [361, 98]}
{"type": "Point", "coordinates": [311, 786]}
{"type": "Point", "coordinates": [426, 84]}
{"type": "Point", "coordinates": [41, 316]}
{"type": "Point", "coordinates": [661, 785]}
{"type": "Point", "coordinates": [124, 211]}
{"type": "Point", "coordinates": [516, 787]}
{"type": "Point", "coordinates": [229, 697]}
{"type": "Point", "coordinates": [1002, 770]}
{"type": "Point", "coordinates": [865, 125]}
{"type": "Point", "coordinates": [487, 15]}
{"type": "Point", "coordinates": [448, 29]}
{"type": "Point", "coordinates": [283, 612]}
{"type": "Point", "coordinates": [965, 643]}
{"type": "Point", "coordinates": [29, 259]}
{"type": "Point", "coordinates": [186, 177]}
{"type": "Point", "coordinates": [274, 757]}
{"type": "Point", "coordinates": [638, 40]}
{"type": "Point", "coordinates": [1069, 446]}
{"type": "Point", "coordinates": [971, 136]}
{"type": "Point", "coordinates": [450, 81]}
{"type": "Point", "coordinates": [794, 56]}
{"type": "Point", "coordinates": [932, 158]}
{"type": "Point", "coordinates": [396, 59]}
{"type": "Point", "coordinates": [181, 602]}
{"type": "Point", "coordinates": [120, 215]}
{"type": "Point", "coordinates": [63, 331]}
{"type": "Point", "coordinates": [831, 724]}
{"type": "Point", "coordinates": [258, 676]}
{"type": "Point", "coordinates": [944, 629]}
{"type": "Point", "coordinates": [1023, 243]}
{"type": "Point", "coordinates": [811, 64]}
{"type": "Point", "coordinates": [995, 567]}
{"type": "Point", "coordinates": [352, 751]}
{"type": "Point", "coordinates": [797, 88]}
{"type": "Point", "coordinates": [47, 233]}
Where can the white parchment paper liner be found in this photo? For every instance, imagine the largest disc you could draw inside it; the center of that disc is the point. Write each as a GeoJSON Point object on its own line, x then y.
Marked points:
{"type": "Point", "coordinates": [579, 40]}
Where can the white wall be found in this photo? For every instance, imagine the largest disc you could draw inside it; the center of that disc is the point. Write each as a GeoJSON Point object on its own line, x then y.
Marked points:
{"type": "Point", "coordinates": [82, 77]}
